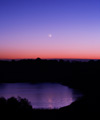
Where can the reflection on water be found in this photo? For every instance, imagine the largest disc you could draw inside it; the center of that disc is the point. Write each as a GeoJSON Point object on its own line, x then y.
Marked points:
{"type": "Point", "coordinates": [44, 95]}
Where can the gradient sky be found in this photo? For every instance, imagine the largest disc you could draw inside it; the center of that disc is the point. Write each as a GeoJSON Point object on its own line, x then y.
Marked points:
{"type": "Point", "coordinates": [49, 29]}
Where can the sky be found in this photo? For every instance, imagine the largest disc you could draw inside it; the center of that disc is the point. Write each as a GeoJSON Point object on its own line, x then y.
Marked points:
{"type": "Point", "coordinates": [49, 29]}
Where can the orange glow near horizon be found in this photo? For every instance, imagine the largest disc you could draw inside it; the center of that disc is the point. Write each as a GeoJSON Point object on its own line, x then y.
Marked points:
{"type": "Point", "coordinates": [48, 55]}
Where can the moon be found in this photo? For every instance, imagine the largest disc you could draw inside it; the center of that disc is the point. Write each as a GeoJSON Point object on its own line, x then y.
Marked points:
{"type": "Point", "coordinates": [50, 35]}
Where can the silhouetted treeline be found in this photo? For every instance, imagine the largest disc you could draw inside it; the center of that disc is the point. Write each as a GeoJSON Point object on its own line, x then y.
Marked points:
{"type": "Point", "coordinates": [74, 74]}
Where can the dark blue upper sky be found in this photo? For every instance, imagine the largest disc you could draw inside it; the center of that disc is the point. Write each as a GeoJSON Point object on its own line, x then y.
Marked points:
{"type": "Point", "coordinates": [50, 28]}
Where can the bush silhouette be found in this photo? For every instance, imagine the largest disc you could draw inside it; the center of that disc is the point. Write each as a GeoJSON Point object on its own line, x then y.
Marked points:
{"type": "Point", "coordinates": [15, 106]}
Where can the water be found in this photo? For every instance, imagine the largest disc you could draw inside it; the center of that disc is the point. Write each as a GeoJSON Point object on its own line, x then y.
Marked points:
{"type": "Point", "coordinates": [43, 95]}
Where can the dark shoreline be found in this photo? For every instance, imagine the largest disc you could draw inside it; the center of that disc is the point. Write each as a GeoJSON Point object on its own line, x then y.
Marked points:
{"type": "Point", "coordinates": [79, 110]}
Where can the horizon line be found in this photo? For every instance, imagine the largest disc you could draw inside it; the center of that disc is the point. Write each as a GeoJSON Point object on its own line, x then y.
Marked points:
{"type": "Point", "coordinates": [49, 58]}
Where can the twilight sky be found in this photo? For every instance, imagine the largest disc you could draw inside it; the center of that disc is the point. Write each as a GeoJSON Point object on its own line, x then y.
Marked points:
{"type": "Point", "coordinates": [49, 29]}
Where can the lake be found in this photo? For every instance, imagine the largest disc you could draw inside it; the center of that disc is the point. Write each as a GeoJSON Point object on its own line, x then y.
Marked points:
{"type": "Point", "coordinates": [41, 95]}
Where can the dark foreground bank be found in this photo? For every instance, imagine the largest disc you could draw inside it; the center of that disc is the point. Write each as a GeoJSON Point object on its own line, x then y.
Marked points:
{"type": "Point", "coordinates": [19, 108]}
